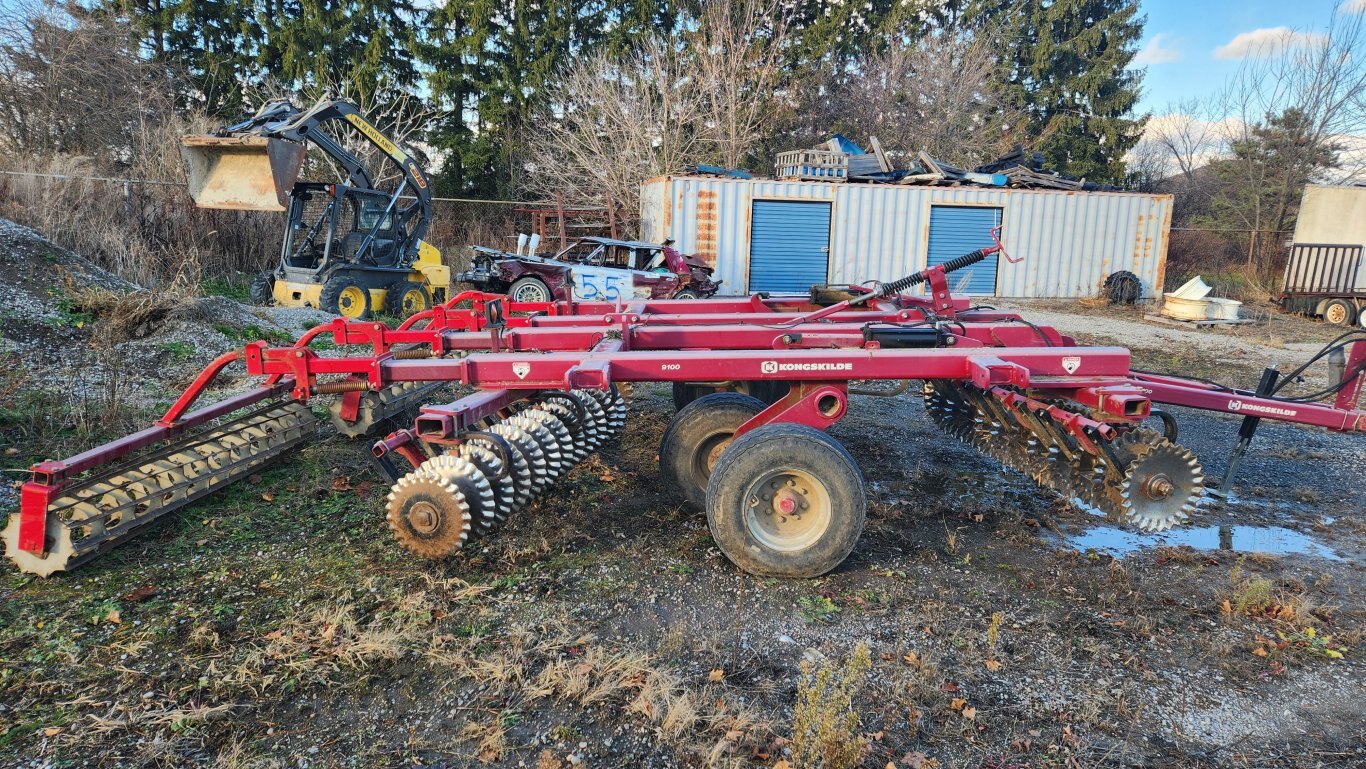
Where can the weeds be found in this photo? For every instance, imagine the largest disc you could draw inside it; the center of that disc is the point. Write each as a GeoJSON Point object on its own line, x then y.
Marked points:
{"type": "Point", "coordinates": [817, 608]}
{"type": "Point", "coordinates": [825, 725]}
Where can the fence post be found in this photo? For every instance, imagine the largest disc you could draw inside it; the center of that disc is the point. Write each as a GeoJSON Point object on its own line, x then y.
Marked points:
{"type": "Point", "coordinates": [559, 214]}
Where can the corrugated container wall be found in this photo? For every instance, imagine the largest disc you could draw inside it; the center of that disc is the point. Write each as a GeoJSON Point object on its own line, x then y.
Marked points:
{"type": "Point", "coordinates": [1069, 241]}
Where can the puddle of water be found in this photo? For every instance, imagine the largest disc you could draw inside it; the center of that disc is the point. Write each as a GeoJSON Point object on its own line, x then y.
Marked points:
{"type": "Point", "coordinates": [1273, 540]}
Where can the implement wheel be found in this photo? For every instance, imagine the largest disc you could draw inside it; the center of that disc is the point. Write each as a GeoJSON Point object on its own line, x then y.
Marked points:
{"type": "Point", "coordinates": [786, 500]}
{"type": "Point", "coordinates": [404, 298]}
{"type": "Point", "coordinates": [344, 296]}
{"type": "Point", "coordinates": [262, 291]}
{"type": "Point", "coordinates": [697, 436]}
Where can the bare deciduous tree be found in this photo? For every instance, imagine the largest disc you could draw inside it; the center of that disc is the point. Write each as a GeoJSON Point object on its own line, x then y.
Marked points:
{"type": "Point", "coordinates": [940, 95]}
{"type": "Point", "coordinates": [615, 121]}
{"type": "Point", "coordinates": [73, 82]}
{"type": "Point", "coordinates": [1294, 112]}
{"type": "Point", "coordinates": [738, 53]}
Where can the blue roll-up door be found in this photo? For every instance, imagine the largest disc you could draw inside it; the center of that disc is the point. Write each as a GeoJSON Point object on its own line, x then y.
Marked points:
{"type": "Point", "coordinates": [956, 230]}
{"type": "Point", "coordinates": [789, 246]}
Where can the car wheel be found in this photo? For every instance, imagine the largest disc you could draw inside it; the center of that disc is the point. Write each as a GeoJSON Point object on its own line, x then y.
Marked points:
{"type": "Point", "coordinates": [1340, 312]}
{"type": "Point", "coordinates": [530, 289]}
{"type": "Point", "coordinates": [686, 293]}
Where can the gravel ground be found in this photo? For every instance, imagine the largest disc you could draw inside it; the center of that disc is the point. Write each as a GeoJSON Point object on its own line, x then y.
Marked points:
{"type": "Point", "coordinates": [277, 624]}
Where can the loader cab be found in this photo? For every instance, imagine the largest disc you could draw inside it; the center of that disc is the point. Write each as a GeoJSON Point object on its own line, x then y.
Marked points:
{"type": "Point", "coordinates": [330, 223]}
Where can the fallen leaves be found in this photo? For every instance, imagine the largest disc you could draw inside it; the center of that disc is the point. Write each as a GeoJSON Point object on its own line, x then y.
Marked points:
{"type": "Point", "coordinates": [717, 675]}
{"type": "Point", "coordinates": [141, 594]}
{"type": "Point", "coordinates": [992, 665]}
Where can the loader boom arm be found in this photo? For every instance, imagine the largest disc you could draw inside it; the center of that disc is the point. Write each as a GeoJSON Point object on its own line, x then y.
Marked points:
{"type": "Point", "coordinates": [282, 120]}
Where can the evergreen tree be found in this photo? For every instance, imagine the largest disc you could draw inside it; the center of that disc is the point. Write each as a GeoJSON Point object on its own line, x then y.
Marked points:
{"type": "Point", "coordinates": [1257, 187]}
{"type": "Point", "coordinates": [1065, 63]}
{"type": "Point", "coordinates": [493, 62]}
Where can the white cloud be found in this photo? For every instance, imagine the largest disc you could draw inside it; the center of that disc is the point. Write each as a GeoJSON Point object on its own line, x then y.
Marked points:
{"type": "Point", "coordinates": [1260, 43]}
{"type": "Point", "coordinates": [1155, 53]}
{"type": "Point", "coordinates": [1353, 6]}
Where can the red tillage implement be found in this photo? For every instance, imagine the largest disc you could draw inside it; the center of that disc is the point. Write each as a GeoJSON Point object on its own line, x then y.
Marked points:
{"type": "Point", "coordinates": [757, 380]}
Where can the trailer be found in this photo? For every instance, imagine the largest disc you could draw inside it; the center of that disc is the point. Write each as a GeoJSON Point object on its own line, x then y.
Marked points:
{"type": "Point", "coordinates": [758, 380]}
{"type": "Point", "coordinates": [1324, 275]}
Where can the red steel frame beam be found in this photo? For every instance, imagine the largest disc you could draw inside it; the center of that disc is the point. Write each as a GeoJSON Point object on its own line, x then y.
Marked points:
{"type": "Point", "coordinates": [1200, 395]}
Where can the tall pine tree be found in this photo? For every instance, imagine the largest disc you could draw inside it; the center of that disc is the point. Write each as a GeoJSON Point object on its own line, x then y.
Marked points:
{"type": "Point", "coordinates": [1066, 63]}
{"type": "Point", "coordinates": [493, 64]}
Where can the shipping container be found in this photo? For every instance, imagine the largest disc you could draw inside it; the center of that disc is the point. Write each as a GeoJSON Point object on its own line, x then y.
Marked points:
{"type": "Point", "coordinates": [781, 236]}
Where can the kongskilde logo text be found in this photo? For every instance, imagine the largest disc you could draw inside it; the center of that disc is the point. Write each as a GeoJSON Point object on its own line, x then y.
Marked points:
{"type": "Point", "coordinates": [1260, 409]}
{"type": "Point", "coordinates": [773, 367]}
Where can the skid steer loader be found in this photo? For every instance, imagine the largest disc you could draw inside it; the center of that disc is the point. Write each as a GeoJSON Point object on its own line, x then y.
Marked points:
{"type": "Point", "coordinates": [348, 248]}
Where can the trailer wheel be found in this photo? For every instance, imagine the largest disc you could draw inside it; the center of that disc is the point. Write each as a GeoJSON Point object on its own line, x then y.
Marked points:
{"type": "Point", "coordinates": [786, 500]}
{"type": "Point", "coordinates": [697, 436]}
{"type": "Point", "coordinates": [1340, 312]}
{"type": "Point", "coordinates": [262, 290]}
{"type": "Point", "coordinates": [343, 296]}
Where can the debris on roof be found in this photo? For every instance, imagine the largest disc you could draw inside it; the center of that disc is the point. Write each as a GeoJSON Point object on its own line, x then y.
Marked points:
{"type": "Point", "coordinates": [702, 169]}
{"type": "Point", "coordinates": [840, 160]}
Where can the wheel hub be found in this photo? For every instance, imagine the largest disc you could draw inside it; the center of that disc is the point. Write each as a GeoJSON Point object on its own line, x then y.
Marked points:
{"type": "Point", "coordinates": [1159, 486]}
{"type": "Point", "coordinates": [424, 517]}
{"type": "Point", "coordinates": [788, 510]}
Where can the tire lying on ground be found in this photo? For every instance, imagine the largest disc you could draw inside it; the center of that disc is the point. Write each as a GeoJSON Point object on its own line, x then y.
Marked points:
{"type": "Point", "coordinates": [786, 500]}
{"type": "Point", "coordinates": [697, 436]}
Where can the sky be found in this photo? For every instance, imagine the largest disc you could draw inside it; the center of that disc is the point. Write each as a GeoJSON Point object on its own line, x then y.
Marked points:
{"type": "Point", "coordinates": [1190, 46]}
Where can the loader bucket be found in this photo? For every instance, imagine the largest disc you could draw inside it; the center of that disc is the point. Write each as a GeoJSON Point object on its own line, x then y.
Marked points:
{"type": "Point", "coordinates": [250, 173]}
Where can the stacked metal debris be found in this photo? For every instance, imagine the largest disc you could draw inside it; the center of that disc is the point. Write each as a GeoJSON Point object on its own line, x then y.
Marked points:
{"type": "Point", "coordinates": [840, 159]}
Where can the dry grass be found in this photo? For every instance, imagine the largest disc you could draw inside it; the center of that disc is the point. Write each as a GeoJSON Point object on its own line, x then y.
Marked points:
{"type": "Point", "coordinates": [145, 233]}
{"type": "Point", "coordinates": [825, 724]}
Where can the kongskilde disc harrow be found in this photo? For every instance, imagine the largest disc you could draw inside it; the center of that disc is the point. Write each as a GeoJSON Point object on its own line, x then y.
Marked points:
{"type": "Point", "coordinates": [757, 380]}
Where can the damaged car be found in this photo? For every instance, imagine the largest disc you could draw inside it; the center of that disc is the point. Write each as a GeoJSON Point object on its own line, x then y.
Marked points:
{"type": "Point", "coordinates": [593, 269]}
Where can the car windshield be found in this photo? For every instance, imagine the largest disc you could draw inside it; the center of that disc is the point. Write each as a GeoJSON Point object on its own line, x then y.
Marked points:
{"type": "Point", "coordinates": [579, 252]}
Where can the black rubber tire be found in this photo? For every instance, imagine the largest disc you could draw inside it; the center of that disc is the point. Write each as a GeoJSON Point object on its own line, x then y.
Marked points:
{"type": "Point", "coordinates": [393, 298]}
{"type": "Point", "coordinates": [785, 447]}
{"type": "Point", "coordinates": [687, 392]}
{"type": "Point", "coordinates": [330, 298]}
{"type": "Point", "coordinates": [696, 430]}
{"type": "Point", "coordinates": [1349, 312]}
{"type": "Point", "coordinates": [686, 293]}
{"type": "Point", "coordinates": [262, 290]}
{"type": "Point", "coordinates": [766, 391]}
{"type": "Point", "coordinates": [1123, 287]}
{"type": "Point", "coordinates": [528, 285]}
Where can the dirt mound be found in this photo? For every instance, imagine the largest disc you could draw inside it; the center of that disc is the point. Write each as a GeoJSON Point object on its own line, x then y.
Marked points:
{"type": "Point", "coordinates": [72, 326]}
